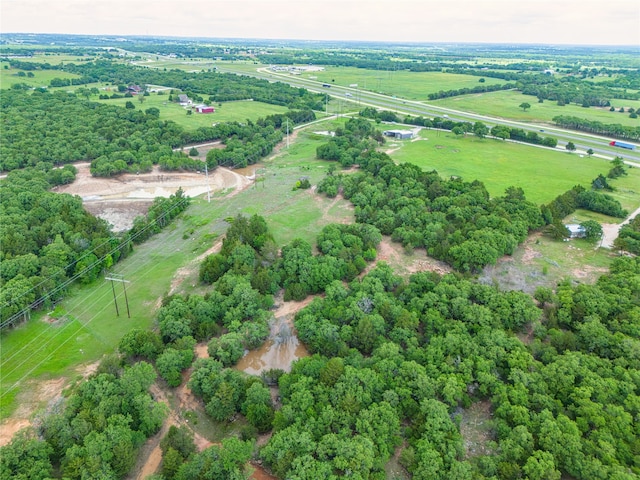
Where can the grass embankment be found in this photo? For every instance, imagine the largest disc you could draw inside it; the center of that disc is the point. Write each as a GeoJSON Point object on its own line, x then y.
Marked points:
{"type": "Point", "coordinates": [542, 173]}
{"type": "Point", "coordinates": [88, 326]}
{"type": "Point", "coordinates": [504, 104]}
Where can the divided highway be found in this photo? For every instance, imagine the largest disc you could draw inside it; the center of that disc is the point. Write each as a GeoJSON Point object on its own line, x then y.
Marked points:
{"type": "Point", "coordinates": [354, 95]}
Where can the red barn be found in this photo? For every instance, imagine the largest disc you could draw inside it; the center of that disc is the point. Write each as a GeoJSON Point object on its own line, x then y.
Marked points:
{"type": "Point", "coordinates": [205, 109]}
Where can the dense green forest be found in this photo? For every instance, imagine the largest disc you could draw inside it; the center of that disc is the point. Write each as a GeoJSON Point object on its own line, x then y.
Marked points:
{"type": "Point", "coordinates": [397, 366]}
{"type": "Point", "coordinates": [629, 237]}
{"type": "Point", "coordinates": [49, 241]}
{"type": "Point", "coordinates": [395, 363]}
{"type": "Point", "coordinates": [63, 128]}
{"type": "Point", "coordinates": [95, 433]}
{"type": "Point", "coordinates": [455, 221]}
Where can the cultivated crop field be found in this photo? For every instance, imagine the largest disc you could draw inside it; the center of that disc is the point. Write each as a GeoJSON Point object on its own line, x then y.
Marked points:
{"type": "Point", "coordinates": [542, 173]}
{"type": "Point", "coordinates": [504, 104]}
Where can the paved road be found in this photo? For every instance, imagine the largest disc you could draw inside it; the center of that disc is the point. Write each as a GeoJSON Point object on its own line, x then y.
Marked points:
{"type": "Point", "coordinates": [582, 141]}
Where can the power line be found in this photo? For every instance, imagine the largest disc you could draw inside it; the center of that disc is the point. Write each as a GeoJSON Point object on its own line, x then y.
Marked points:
{"type": "Point", "coordinates": [67, 282]}
{"type": "Point", "coordinates": [60, 332]}
{"type": "Point", "coordinates": [44, 344]}
{"type": "Point", "coordinates": [130, 264]}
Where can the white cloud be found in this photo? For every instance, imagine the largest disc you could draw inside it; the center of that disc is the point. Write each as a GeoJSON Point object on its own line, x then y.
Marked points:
{"type": "Point", "coordinates": [504, 21]}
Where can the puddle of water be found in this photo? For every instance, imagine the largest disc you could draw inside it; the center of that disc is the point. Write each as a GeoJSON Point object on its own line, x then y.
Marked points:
{"type": "Point", "coordinates": [248, 171]}
{"type": "Point", "coordinates": [280, 350]}
{"type": "Point", "coordinates": [260, 473]}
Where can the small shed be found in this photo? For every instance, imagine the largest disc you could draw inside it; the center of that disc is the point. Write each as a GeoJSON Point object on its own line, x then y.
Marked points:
{"type": "Point", "coordinates": [205, 109]}
{"type": "Point", "coordinates": [576, 231]}
{"type": "Point", "coordinates": [400, 134]}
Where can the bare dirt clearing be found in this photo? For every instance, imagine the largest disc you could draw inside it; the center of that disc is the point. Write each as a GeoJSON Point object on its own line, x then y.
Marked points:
{"type": "Point", "coordinates": [39, 394]}
{"type": "Point", "coordinates": [120, 199]}
{"type": "Point", "coordinates": [404, 263]}
{"type": "Point", "coordinates": [475, 429]}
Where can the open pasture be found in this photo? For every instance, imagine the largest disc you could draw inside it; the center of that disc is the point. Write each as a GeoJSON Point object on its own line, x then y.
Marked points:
{"type": "Point", "coordinates": [239, 111]}
{"type": "Point", "coordinates": [542, 173]}
{"type": "Point", "coordinates": [504, 104]}
{"type": "Point", "coordinates": [40, 78]}
{"type": "Point", "coordinates": [404, 84]}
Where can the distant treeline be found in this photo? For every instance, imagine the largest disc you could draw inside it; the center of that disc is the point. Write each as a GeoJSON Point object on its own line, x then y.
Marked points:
{"type": "Point", "coordinates": [221, 87]}
{"type": "Point", "coordinates": [593, 126]}
{"type": "Point", "coordinates": [466, 91]}
{"type": "Point", "coordinates": [478, 128]}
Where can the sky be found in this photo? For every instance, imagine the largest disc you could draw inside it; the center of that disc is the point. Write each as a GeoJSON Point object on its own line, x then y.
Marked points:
{"type": "Point", "coordinates": [571, 22]}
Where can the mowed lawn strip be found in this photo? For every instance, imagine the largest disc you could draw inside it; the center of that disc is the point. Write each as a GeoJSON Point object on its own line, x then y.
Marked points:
{"type": "Point", "coordinates": [542, 173]}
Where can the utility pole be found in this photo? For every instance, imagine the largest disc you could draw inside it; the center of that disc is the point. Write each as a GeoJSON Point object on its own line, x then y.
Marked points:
{"type": "Point", "coordinates": [287, 133]}
{"type": "Point", "coordinates": [114, 277]}
{"type": "Point", "coordinates": [206, 172]}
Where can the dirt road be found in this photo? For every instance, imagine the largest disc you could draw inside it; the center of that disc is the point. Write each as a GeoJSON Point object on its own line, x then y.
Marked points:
{"type": "Point", "coordinates": [610, 231]}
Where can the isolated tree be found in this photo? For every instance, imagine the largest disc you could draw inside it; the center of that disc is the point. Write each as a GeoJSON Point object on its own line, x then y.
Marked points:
{"type": "Point", "coordinates": [524, 106]}
{"type": "Point", "coordinates": [590, 152]}
{"type": "Point", "coordinates": [480, 129]}
{"type": "Point", "coordinates": [129, 105]}
{"type": "Point", "coordinates": [193, 152]}
{"type": "Point", "coordinates": [570, 147]}
{"type": "Point", "coordinates": [593, 230]}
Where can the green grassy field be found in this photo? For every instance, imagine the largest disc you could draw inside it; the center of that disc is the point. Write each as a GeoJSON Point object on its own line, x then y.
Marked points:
{"type": "Point", "coordinates": [89, 327]}
{"type": "Point", "coordinates": [41, 78]}
{"type": "Point", "coordinates": [39, 350]}
{"type": "Point", "coordinates": [542, 173]}
{"type": "Point", "coordinates": [238, 111]}
{"type": "Point", "coordinates": [410, 85]}
{"type": "Point", "coordinates": [504, 104]}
